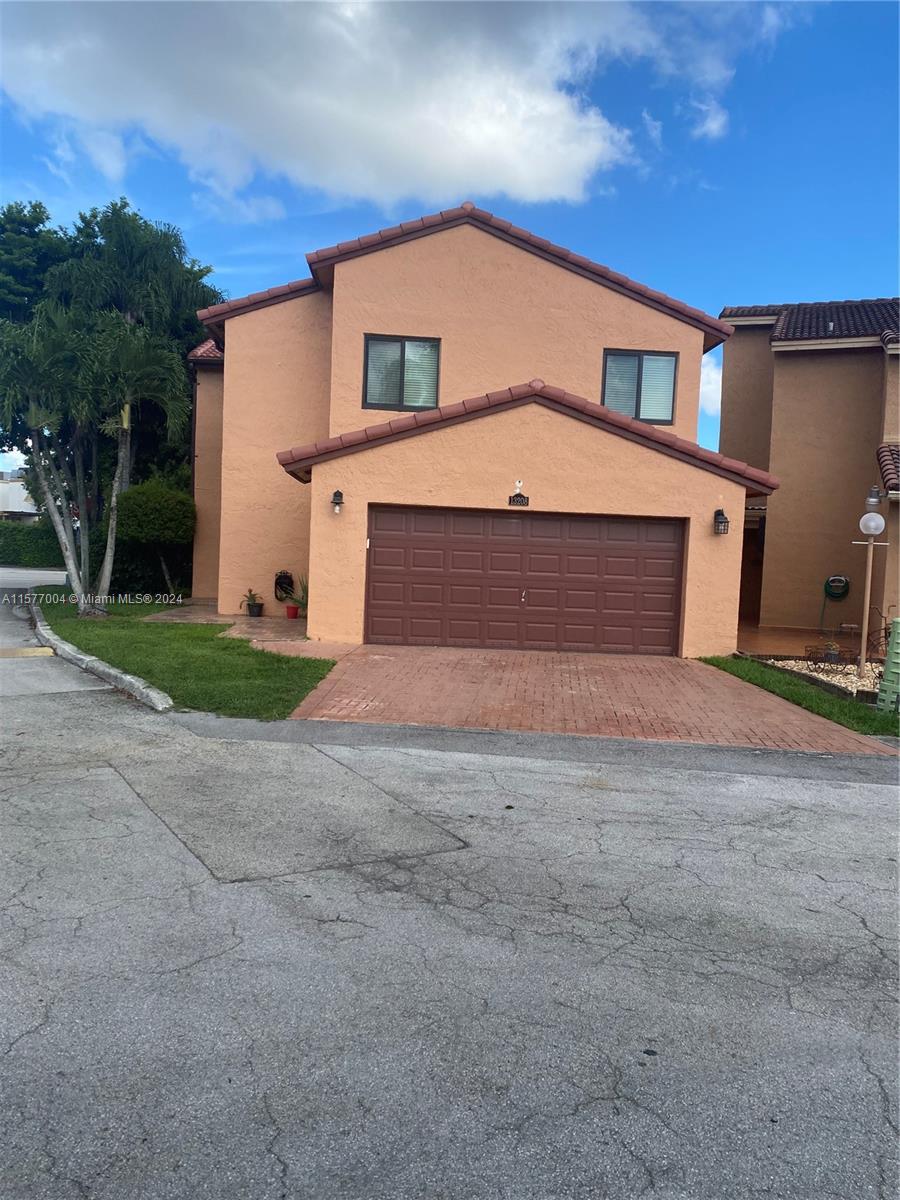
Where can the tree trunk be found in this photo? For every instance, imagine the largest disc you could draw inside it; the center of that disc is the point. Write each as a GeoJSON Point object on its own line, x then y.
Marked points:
{"type": "Point", "coordinates": [84, 528]}
{"type": "Point", "coordinates": [65, 512]}
{"type": "Point", "coordinates": [65, 544]}
{"type": "Point", "coordinates": [165, 570]}
{"type": "Point", "coordinates": [105, 576]}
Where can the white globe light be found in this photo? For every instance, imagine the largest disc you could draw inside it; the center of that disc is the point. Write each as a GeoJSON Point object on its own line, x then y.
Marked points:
{"type": "Point", "coordinates": [871, 524]}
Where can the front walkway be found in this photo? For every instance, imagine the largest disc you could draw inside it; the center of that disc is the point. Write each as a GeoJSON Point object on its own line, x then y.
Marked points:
{"type": "Point", "coordinates": [624, 696]}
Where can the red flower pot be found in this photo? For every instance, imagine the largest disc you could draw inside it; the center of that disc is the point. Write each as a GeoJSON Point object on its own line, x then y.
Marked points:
{"type": "Point", "coordinates": [292, 611]}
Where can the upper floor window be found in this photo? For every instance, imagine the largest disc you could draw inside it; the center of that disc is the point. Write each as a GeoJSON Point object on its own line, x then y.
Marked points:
{"type": "Point", "coordinates": [400, 372]}
{"type": "Point", "coordinates": [640, 384]}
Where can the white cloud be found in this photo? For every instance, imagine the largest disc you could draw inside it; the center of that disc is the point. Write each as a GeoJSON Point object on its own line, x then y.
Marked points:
{"type": "Point", "coordinates": [712, 119]}
{"type": "Point", "coordinates": [653, 129]}
{"type": "Point", "coordinates": [711, 386]}
{"type": "Point", "coordinates": [376, 101]}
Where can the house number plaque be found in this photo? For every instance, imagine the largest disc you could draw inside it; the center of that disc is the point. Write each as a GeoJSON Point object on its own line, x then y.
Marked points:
{"type": "Point", "coordinates": [518, 501]}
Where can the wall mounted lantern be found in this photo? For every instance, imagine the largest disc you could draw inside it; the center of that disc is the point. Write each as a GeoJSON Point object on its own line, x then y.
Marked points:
{"type": "Point", "coordinates": [337, 500]}
{"type": "Point", "coordinates": [720, 521]}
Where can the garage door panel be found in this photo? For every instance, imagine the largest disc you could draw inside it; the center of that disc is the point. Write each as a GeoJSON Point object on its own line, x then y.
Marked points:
{"type": "Point", "coordinates": [422, 559]}
{"type": "Point", "coordinates": [427, 593]}
{"type": "Point", "coordinates": [526, 580]}
{"type": "Point", "coordinates": [586, 565]}
{"type": "Point", "coordinates": [659, 568]}
{"type": "Point", "coordinates": [505, 562]}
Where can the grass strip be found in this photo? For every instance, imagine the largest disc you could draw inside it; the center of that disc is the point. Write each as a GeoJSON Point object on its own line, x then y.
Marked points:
{"type": "Point", "coordinates": [198, 668]}
{"type": "Point", "coordinates": [850, 713]}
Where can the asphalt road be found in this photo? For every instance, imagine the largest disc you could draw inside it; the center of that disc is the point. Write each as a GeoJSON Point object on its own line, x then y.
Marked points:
{"type": "Point", "coordinates": [261, 962]}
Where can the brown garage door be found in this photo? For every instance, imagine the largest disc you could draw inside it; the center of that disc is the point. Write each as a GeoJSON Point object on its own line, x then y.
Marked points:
{"type": "Point", "coordinates": [533, 581]}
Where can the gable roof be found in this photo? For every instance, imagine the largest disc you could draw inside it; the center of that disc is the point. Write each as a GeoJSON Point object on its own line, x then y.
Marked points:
{"type": "Point", "coordinates": [206, 354]}
{"type": "Point", "coordinates": [322, 264]}
{"type": "Point", "coordinates": [889, 462]}
{"type": "Point", "coordinates": [827, 320]}
{"type": "Point", "coordinates": [300, 460]}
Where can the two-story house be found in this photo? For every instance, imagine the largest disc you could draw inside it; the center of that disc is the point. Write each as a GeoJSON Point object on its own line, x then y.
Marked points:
{"type": "Point", "coordinates": [465, 435]}
{"type": "Point", "coordinates": [811, 392]}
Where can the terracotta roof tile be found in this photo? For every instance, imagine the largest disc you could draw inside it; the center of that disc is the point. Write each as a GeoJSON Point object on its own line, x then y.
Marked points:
{"type": "Point", "coordinates": [715, 329]}
{"type": "Point", "coordinates": [300, 459]}
{"type": "Point", "coordinates": [233, 308]}
{"type": "Point", "coordinates": [889, 462]}
{"type": "Point", "coordinates": [206, 352]}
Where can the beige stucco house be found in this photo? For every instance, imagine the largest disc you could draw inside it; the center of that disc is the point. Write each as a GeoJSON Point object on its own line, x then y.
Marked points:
{"type": "Point", "coordinates": [465, 435]}
{"type": "Point", "coordinates": [811, 393]}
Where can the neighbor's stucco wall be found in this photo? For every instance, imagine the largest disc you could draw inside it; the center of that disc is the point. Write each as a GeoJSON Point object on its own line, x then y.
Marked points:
{"type": "Point", "coordinates": [277, 363]}
{"type": "Point", "coordinates": [504, 316]}
{"type": "Point", "coordinates": [826, 427]}
{"type": "Point", "coordinates": [890, 428]}
{"type": "Point", "coordinates": [475, 465]}
{"type": "Point", "coordinates": [207, 480]}
{"type": "Point", "coordinates": [747, 372]}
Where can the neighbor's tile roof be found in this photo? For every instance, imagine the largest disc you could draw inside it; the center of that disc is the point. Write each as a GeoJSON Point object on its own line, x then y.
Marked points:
{"type": "Point", "coordinates": [300, 459]}
{"type": "Point", "coordinates": [233, 308]}
{"type": "Point", "coordinates": [322, 261]}
{"type": "Point", "coordinates": [827, 319]}
{"type": "Point", "coordinates": [207, 351]}
{"type": "Point", "coordinates": [889, 462]}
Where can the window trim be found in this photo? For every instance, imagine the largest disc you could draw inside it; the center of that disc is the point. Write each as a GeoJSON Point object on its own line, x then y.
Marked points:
{"type": "Point", "coordinates": [640, 357]}
{"type": "Point", "coordinates": [402, 338]}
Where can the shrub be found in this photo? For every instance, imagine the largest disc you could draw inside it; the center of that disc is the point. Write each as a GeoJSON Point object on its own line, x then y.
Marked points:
{"type": "Point", "coordinates": [29, 545]}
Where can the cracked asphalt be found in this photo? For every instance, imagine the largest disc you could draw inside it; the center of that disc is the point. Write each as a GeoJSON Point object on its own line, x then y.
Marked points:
{"type": "Point", "coordinates": [239, 961]}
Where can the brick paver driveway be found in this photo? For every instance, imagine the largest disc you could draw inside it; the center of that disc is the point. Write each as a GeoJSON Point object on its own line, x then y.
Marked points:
{"type": "Point", "coordinates": [667, 699]}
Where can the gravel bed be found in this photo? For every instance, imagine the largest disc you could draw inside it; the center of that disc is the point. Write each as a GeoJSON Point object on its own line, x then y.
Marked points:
{"type": "Point", "coordinates": [844, 677]}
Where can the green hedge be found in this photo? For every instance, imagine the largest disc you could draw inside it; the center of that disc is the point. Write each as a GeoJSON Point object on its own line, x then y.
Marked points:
{"type": "Point", "coordinates": [33, 545]}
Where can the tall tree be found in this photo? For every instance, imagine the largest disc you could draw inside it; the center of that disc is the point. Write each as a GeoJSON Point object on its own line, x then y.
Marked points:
{"type": "Point", "coordinates": [123, 263]}
{"type": "Point", "coordinates": [29, 247]}
{"type": "Point", "coordinates": [63, 387]}
{"type": "Point", "coordinates": [102, 354]}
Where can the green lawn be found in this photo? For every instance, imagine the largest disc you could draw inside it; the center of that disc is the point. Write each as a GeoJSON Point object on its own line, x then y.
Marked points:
{"type": "Point", "coordinates": [198, 668]}
{"type": "Point", "coordinates": [850, 713]}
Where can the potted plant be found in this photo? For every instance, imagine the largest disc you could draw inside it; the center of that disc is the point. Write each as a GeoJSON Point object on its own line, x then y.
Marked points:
{"type": "Point", "coordinates": [253, 603]}
{"type": "Point", "coordinates": [832, 652]}
{"type": "Point", "coordinates": [296, 602]}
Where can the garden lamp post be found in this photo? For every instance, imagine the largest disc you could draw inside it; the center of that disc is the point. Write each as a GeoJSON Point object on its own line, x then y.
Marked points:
{"type": "Point", "coordinates": [871, 524]}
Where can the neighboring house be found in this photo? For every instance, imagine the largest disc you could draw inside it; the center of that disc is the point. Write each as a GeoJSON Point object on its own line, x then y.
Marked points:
{"type": "Point", "coordinates": [507, 430]}
{"type": "Point", "coordinates": [811, 393]}
{"type": "Point", "coordinates": [15, 502]}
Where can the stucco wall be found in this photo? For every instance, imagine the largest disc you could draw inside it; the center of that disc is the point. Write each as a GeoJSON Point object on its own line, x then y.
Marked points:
{"type": "Point", "coordinates": [826, 426]}
{"type": "Point", "coordinates": [504, 316]}
{"type": "Point", "coordinates": [747, 372]}
{"type": "Point", "coordinates": [475, 465]}
{"type": "Point", "coordinates": [890, 431]}
{"type": "Point", "coordinates": [276, 394]}
{"type": "Point", "coordinates": [207, 480]}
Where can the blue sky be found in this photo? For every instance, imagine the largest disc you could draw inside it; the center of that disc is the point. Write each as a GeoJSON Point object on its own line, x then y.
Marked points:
{"type": "Point", "coordinates": [726, 154]}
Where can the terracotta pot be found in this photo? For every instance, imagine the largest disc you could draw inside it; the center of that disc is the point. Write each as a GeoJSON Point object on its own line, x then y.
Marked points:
{"type": "Point", "coordinates": [292, 611]}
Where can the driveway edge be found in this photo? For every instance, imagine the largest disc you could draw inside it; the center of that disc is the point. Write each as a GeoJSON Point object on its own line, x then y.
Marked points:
{"type": "Point", "coordinates": [136, 687]}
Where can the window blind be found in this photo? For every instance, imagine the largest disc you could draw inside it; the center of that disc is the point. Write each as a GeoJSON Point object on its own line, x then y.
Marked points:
{"type": "Point", "coordinates": [657, 387]}
{"type": "Point", "coordinates": [420, 375]}
{"type": "Point", "coordinates": [383, 380]}
{"type": "Point", "coordinates": [620, 392]}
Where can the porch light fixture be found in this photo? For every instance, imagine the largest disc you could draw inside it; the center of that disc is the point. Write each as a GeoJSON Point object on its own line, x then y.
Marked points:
{"type": "Point", "coordinates": [337, 500]}
{"type": "Point", "coordinates": [873, 499]}
{"type": "Point", "coordinates": [720, 521]}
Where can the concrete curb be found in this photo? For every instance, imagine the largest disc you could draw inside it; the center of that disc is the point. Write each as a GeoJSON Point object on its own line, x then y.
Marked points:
{"type": "Point", "coordinates": [132, 684]}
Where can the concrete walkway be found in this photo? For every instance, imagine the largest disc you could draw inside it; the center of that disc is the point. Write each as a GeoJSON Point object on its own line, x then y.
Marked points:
{"type": "Point", "coordinates": [26, 668]}
{"type": "Point", "coordinates": [621, 696]}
